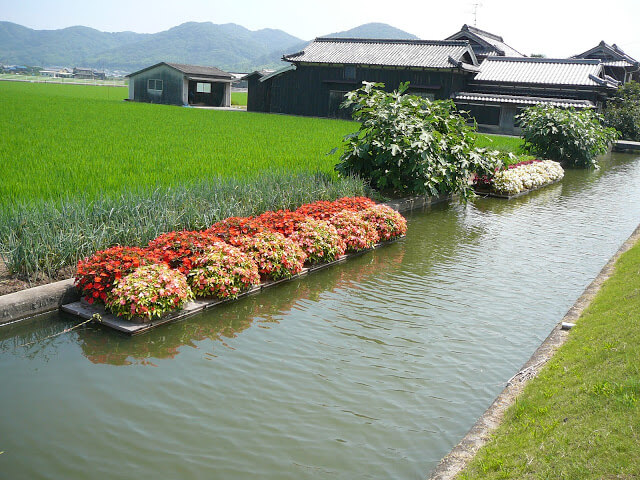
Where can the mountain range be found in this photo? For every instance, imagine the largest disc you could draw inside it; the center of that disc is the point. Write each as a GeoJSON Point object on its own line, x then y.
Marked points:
{"type": "Point", "coordinates": [228, 46]}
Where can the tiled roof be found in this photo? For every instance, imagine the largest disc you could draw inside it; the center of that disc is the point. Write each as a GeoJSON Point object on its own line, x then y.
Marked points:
{"type": "Point", "coordinates": [400, 53]}
{"type": "Point", "coordinates": [190, 70]}
{"type": "Point", "coordinates": [619, 63]}
{"type": "Point", "coordinates": [496, 43]}
{"type": "Point", "coordinates": [614, 53]}
{"type": "Point", "coordinates": [521, 100]}
{"type": "Point", "coordinates": [552, 71]}
{"type": "Point", "coordinates": [198, 70]}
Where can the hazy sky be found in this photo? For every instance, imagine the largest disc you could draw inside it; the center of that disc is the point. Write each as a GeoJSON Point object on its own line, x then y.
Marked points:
{"type": "Point", "coordinates": [552, 27]}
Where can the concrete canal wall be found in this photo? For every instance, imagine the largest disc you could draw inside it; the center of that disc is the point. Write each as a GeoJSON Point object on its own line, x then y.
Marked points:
{"type": "Point", "coordinates": [458, 458]}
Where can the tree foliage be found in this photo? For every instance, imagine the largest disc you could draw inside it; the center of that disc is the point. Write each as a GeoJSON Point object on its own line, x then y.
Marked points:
{"type": "Point", "coordinates": [410, 145]}
{"type": "Point", "coordinates": [623, 111]}
{"type": "Point", "coordinates": [576, 137]}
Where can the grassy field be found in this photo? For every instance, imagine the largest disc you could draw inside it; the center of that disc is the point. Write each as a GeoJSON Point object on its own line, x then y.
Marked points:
{"type": "Point", "coordinates": [500, 142]}
{"type": "Point", "coordinates": [580, 418]}
{"type": "Point", "coordinates": [61, 140]}
{"type": "Point", "coordinates": [239, 98]}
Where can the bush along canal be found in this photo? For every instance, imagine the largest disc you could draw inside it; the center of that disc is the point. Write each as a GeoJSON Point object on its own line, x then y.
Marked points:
{"type": "Point", "coordinates": [374, 368]}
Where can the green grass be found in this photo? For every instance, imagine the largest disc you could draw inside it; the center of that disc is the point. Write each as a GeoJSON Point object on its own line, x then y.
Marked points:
{"type": "Point", "coordinates": [580, 418]}
{"type": "Point", "coordinates": [239, 98]}
{"type": "Point", "coordinates": [61, 140]}
{"type": "Point", "coordinates": [500, 142]}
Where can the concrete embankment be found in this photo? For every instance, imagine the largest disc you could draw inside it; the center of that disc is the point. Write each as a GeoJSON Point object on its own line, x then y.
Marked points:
{"type": "Point", "coordinates": [460, 456]}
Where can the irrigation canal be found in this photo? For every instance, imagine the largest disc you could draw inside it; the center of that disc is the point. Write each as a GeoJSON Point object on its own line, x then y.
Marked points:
{"type": "Point", "coordinates": [373, 368]}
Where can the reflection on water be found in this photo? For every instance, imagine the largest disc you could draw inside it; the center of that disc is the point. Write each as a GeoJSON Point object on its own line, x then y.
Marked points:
{"type": "Point", "coordinates": [369, 369]}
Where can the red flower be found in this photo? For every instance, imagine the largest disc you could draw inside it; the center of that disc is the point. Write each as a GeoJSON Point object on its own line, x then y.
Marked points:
{"type": "Point", "coordinates": [96, 275]}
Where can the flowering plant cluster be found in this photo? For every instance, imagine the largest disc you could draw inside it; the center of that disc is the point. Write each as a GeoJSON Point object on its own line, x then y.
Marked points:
{"type": "Point", "coordinates": [96, 275]}
{"type": "Point", "coordinates": [527, 177]}
{"type": "Point", "coordinates": [357, 233]}
{"type": "Point", "coordinates": [319, 240]}
{"type": "Point", "coordinates": [285, 222]}
{"type": "Point", "coordinates": [276, 255]}
{"type": "Point", "coordinates": [388, 223]}
{"type": "Point", "coordinates": [180, 249]}
{"type": "Point", "coordinates": [223, 271]}
{"type": "Point", "coordinates": [232, 229]}
{"type": "Point", "coordinates": [149, 292]}
{"type": "Point", "coordinates": [231, 256]}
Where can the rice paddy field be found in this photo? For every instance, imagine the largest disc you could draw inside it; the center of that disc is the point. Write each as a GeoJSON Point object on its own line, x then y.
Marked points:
{"type": "Point", "coordinates": [62, 140]}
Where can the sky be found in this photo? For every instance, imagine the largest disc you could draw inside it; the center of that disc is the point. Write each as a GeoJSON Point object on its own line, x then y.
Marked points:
{"type": "Point", "coordinates": [555, 28]}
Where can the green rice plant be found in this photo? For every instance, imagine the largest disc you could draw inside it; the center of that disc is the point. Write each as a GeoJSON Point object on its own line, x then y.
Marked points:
{"type": "Point", "coordinates": [239, 98]}
{"type": "Point", "coordinates": [61, 140]}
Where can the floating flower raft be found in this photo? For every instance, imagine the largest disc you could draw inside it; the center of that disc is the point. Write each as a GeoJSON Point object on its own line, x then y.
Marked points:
{"type": "Point", "coordinates": [520, 179]}
{"type": "Point", "coordinates": [133, 289]}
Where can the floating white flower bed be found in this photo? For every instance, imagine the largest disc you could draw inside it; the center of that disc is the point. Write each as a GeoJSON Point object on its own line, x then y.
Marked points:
{"type": "Point", "coordinates": [523, 177]}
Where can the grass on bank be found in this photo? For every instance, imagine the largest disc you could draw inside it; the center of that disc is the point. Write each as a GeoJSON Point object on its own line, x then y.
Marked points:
{"type": "Point", "coordinates": [580, 418]}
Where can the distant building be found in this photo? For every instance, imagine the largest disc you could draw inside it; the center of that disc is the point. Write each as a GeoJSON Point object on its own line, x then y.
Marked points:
{"type": "Point", "coordinates": [88, 74]}
{"type": "Point", "coordinates": [506, 85]}
{"type": "Point", "coordinates": [316, 79]}
{"type": "Point", "coordinates": [485, 44]}
{"type": "Point", "coordinates": [56, 73]}
{"type": "Point", "coordinates": [177, 84]}
{"type": "Point", "coordinates": [617, 64]}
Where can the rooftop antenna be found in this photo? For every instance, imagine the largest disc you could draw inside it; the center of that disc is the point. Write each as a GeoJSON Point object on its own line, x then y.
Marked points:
{"type": "Point", "coordinates": [475, 13]}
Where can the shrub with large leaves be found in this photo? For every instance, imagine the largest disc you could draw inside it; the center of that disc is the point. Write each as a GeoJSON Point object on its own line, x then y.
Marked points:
{"type": "Point", "coordinates": [573, 136]}
{"type": "Point", "coordinates": [409, 145]}
{"type": "Point", "coordinates": [623, 111]}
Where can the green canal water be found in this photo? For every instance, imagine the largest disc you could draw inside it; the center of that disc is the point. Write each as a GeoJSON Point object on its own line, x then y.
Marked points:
{"type": "Point", "coordinates": [371, 369]}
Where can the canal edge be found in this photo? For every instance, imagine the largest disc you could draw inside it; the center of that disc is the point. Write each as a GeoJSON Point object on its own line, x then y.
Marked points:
{"type": "Point", "coordinates": [28, 303]}
{"type": "Point", "coordinates": [461, 454]}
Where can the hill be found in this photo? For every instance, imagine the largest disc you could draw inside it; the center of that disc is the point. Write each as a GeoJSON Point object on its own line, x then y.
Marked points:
{"type": "Point", "coordinates": [228, 46]}
{"type": "Point", "coordinates": [374, 30]}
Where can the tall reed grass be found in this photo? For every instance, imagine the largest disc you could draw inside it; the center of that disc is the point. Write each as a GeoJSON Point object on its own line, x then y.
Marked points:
{"type": "Point", "coordinates": [40, 238]}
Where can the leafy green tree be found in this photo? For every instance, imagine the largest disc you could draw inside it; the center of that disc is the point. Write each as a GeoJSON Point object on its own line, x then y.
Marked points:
{"type": "Point", "coordinates": [623, 111]}
{"type": "Point", "coordinates": [576, 137]}
{"type": "Point", "coordinates": [409, 145]}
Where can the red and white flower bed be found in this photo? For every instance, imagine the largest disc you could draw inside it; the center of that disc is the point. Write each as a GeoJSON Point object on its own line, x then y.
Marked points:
{"type": "Point", "coordinates": [231, 256]}
{"type": "Point", "coordinates": [527, 176]}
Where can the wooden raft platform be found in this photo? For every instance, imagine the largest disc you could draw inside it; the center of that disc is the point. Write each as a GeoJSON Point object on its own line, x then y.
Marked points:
{"type": "Point", "coordinates": [85, 311]}
{"type": "Point", "coordinates": [489, 193]}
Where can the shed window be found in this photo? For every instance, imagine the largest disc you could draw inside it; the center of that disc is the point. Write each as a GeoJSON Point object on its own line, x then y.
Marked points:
{"type": "Point", "coordinates": [350, 72]}
{"type": "Point", "coordinates": [203, 87]}
{"type": "Point", "coordinates": [154, 84]}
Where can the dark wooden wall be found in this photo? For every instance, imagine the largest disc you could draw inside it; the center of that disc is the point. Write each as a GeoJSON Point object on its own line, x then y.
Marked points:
{"type": "Point", "coordinates": [313, 90]}
{"type": "Point", "coordinates": [258, 94]}
{"type": "Point", "coordinates": [172, 82]}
